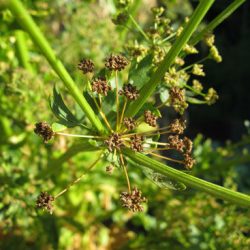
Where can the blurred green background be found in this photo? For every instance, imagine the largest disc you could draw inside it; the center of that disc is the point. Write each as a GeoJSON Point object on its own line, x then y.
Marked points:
{"type": "Point", "coordinates": [89, 216]}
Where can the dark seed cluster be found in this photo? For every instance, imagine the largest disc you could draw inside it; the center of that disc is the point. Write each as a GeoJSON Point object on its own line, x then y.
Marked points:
{"type": "Point", "coordinates": [100, 85]}
{"type": "Point", "coordinates": [177, 126]}
{"type": "Point", "coordinates": [86, 66]}
{"type": "Point", "coordinates": [44, 130]}
{"type": "Point", "coordinates": [133, 201]}
{"type": "Point", "coordinates": [129, 91]}
{"type": "Point", "coordinates": [129, 123]}
{"type": "Point", "coordinates": [136, 142]}
{"type": "Point", "coordinates": [44, 201]}
{"type": "Point", "coordinates": [150, 118]}
{"type": "Point", "coordinates": [116, 62]}
{"type": "Point", "coordinates": [113, 142]}
{"type": "Point", "coordinates": [178, 99]}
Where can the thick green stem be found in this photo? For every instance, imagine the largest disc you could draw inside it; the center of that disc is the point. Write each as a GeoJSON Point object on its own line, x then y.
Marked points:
{"type": "Point", "coordinates": [22, 50]}
{"type": "Point", "coordinates": [148, 89]}
{"type": "Point", "coordinates": [189, 180]}
{"type": "Point", "coordinates": [25, 20]}
{"type": "Point", "coordinates": [217, 21]}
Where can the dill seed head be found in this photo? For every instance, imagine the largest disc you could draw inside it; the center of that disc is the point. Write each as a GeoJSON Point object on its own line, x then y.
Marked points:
{"type": "Point", "coordinates": [136, 142]}
{"type": "Point", "coordinates": [129, 91]}
{"type": "Point", "coordinates": [188, 161]}
{"type": "Point", "coordinates": [176, 143]}
{"type": "Point", "coordinates": [150, 118]}
{"type": "Point", "coordinates": [44, 130]}
{"type": "Point", "coordinates": [113, 142]}
{"type": "Point", "coordinates": [132, 201]}
{"type": "Point", "coordinates": [100, 85]}
{"type": "Point", "coordinates": [177, 126]}
{"type": "Point", "coordinates": [44, 201]}
{"type": "Point", "coordinates": [188, 144]}
{"type": "Point", "coordinates": [129, 123]}
{"type": "Point", "coordinates": [110, 169]}
{"type": "Point", "coordinates": [116, 62]}
{"type": "Point", "coordinates": [86, 66]}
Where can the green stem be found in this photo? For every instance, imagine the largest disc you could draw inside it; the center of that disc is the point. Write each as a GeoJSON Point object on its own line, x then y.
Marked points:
{"type": "Point", "coordinates": [138, 27]}
{"type": "Point", "coordinates": [218, 20]}
{"type": "Point", "coordinates": [22, 50]}
{"type": "Point", "coordinates": [148, 89]}
{"type": "Point", "coordinates": [26, 21]}
{"type": "Point", "coordinates": [189, 180]}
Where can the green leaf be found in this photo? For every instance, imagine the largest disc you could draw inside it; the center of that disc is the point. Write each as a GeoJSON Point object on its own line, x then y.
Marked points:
{"type": "Point", "coordinates": [61, 111]}
{"type": "Point", "coordinates": [139, 73]}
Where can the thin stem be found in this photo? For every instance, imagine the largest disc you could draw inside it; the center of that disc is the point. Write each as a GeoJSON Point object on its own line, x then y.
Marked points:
{"type": "Point", "coordinates": [25, 20]}
{"type": "Point", "coordinates": [125, 172]}
{"type": "Point", "coordinates": [157, 143]}
{"type": "Point", "coordinates": [217, 21]}
{"type": "Point", "coordinates": [80, 136]}
{"type": "Point", "coordinates": [123, 110]}
{"type": "Point", "coordinates": [80, 177]}
{"type": "Point", "coordinates": [148, 89]}
{"type": "Point", "coordinates": [189, 180]}
{"type": "Point", "coordinates": [102, 114]}
{"type": "Point", "coordinates": [117, 100]}
{"type": "Point", "coordinates": [138, 27]}
{"type": "Point", "coordinates": [165, 158]}
{"type": "Point", "coordinates": [191, 65]}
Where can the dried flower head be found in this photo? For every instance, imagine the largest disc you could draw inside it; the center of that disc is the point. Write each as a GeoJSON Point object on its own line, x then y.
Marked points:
{"type": "Point", "coordinates": [136, 142]}
{"type": "Point", "coordinates": [44, 201]}
{"type": "Point", "coordinates": [188, 145]}
{"type": "Point", "coordinates": [133, 200]}
{"type": "Point", "coordinates": [176, 143]}
{"type": "Point", "coordinates": [129, 123]}
{"type": "Point", "coordinates": [44, 130]}
{"type": "Point", "coordinates": [100, 85]}
{"type": "Point", "coordinates": [178, 99]}
{"type": "Point", "coordinates": [116, 62]}
{"type": "Point", "coordinates": [177, 126]}
{"type": "Point", "coordinates": [114, 141]}
{"type": "Point", "coordinates": [129, 91]}
{"type": "Point", "coordinates": [86, 66]}
{"type": "Point", "coordinates": [188, 161]}
{"type": "Point", "coordinates": [150, 118]}
{"type": "Point", "coordinates": [110, 169]}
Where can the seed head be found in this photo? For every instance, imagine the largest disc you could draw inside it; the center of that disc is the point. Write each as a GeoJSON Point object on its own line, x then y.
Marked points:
{"type": "Point", "coordinates": [86, 66]}
{"type": "Point", "coordinates": [129, 91]}
{"type": "Point", "coordinates": [110, 169]}
{"type": "Point", "coordinates": [114, 141]}
{"type": "Point", "coordinates": [100, 86]}
{"type": "Point", "coordinates": [211, 96]}
{"type": "Point", "coordinates": [116, 62]}
{"type": "Point", "coordinates": [177, 126]}
{"type": "Point", "coordinates": [44, 201]}
{"type": "Point", "coordinates": [188, 144]}
{"type": "Point", "coordinates": [136, 143]}
{"type": "Point", "coordinates": [150, 118]}
{"type": "Point", "coordinates": [44, 130]}
{"type": "Point", "coordinates": [178, 99]}
{"type": "Point", "coordinates": [129, 122]}
{"type": "Point", "coordinates": [176, 143]}
{"type": "Point", "coordinates": [188, 161]}
{"type": "Point", "coordinates": [133, 200]}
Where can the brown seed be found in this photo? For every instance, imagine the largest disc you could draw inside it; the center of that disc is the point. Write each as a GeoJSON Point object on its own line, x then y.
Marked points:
{"type": "Point", "coordinates": [136, 142]}
{"type": "Point", "coordinates": [100, 85]}
{"type": "Point", "coordinates": [116, 62]}
{"type": "Point", "coordinates": [129, 91]}
{"type": "Point", "coordinates": [86, 66]}
{"type": "Point", "coordinates": [44, 201]}
{"type": "Point", "coordinates": [113, 142]}
{"type": "Point", "coordinates": [177, 126]}
{"type": "Point", "coordinates": [44, 130]}
{"type": "Point", "coordinates": [129, 122]}
{"type": "Point", "coordinates": [133, 200]}
{"type": "Point", "coordinates": [150, 118]}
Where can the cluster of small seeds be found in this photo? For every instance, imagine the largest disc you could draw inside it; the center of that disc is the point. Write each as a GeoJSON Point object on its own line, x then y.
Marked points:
{"type": "Point", "coordinates": [129, 91]}
{"type": "Point", "coordinates": [44, 130]}
{"type": "Point", "coordinates": [100, 85]}
{"type": "Point", "coordinates": [136, 142]}
{"type": "Point", "coordinates": [150, 118]}
{"type": "Point", "coordinates": [133, 201]}
{"type": "Point", "coordinates": [86, 66]}
{"type": "Point", "coordinates": [129, 123]}
{"type": "Point", "coordinates": [116, 62]}
{"type": "Point", "coordinates": [44, 201]}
